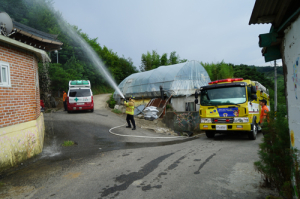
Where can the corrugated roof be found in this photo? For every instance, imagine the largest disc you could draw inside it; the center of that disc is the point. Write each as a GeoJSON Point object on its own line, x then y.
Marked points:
{"type": "Point", "coordinates": [36, 34]}
{"type": "Point", "coordinates": [270, 11]}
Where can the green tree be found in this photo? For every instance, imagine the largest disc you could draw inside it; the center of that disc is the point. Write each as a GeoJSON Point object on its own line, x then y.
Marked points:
{"type": "Point", "coordinates": [151, 61]}
{"type": "Point", "coordinates": [146, 62]}
{"type": "Point", "coordinates": [173, 59]}
{"type": "Point", "coordinates": [73, 62]}
{"type": "Point", "coordinates": [164, 59]}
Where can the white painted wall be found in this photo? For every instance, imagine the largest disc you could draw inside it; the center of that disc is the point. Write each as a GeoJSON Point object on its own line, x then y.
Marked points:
{"type": "Point", "coordinates": [179, 103]}
{"type": "Point", "coordinates": [292, 60]}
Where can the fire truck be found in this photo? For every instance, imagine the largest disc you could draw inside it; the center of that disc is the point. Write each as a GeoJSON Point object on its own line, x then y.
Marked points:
{"type": "Point", "coordinates": [231, 105]}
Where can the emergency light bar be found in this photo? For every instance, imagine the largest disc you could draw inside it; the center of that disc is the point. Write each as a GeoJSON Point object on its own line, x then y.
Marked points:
{"type": "Point", "coordinates": [79, 84]}
{"type": "Point", "coordinates": [226, 80]}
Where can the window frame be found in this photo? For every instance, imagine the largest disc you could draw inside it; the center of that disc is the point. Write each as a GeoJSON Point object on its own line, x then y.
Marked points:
{"type": "Point", "coordinates": [187, 106]}
{"type": "Point", "coordinates": [8, 82]}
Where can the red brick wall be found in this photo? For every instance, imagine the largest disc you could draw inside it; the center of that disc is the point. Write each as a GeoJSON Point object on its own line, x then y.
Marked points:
{"type": "Point", "coordinates": [20, 102]}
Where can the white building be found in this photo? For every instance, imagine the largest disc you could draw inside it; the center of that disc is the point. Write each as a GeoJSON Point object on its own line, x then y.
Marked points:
{"type": "Point", "coordinates": [282, 42]}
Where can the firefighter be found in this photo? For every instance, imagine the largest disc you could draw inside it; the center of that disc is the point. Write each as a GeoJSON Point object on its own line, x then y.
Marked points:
{"type": "Point", "coordinates": [263, 112]}
{"type": "Point", "coordinates": [65, 100]}
{"type": "Point", "coordinates": [130, 112]}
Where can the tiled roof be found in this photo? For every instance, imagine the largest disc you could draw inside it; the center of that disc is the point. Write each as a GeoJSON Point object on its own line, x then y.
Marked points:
{"type": "Point", "coordinates": [36, 34]}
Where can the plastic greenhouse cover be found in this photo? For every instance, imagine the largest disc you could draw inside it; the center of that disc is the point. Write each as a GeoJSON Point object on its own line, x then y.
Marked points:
{"type": "Point", "coordinates": [179, 80]}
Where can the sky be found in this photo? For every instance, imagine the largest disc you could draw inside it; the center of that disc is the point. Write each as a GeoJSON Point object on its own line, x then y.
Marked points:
{"type": "Point", "coordinates": [207, 31]}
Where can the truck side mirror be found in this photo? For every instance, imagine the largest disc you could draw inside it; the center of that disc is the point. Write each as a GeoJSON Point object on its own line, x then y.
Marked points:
{"type": "Point", "coordinates": [253, 89]}
{"type": "Point", "coordinates": [196, 94]}
{"type": "Point", "coordinates": [254, 97]}
{"type": "Point", "coordinates": [196, 97]}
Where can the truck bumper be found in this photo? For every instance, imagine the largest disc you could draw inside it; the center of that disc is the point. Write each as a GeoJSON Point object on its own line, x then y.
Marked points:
{"type": "Point", "coordinates": [85, 106]}
{"type": "Point", "coordinates": [230, 127]}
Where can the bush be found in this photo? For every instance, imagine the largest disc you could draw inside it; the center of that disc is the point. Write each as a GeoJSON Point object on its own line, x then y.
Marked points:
{"type": "Point", "coordinates": [169, 107]}
{"type": "Point", "coordinates": [111, 102]}
{"type": "Point", "coordinates": [276, 157]}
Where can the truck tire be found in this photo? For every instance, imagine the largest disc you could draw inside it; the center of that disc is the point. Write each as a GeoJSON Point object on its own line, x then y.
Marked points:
{"type": "Point", "coordinates": [210, 134]}
{"type": "Point", "coordinates": [252, 134]}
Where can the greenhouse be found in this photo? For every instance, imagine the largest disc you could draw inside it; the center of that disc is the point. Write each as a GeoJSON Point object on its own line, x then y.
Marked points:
{"type": "Point", "coordinates": [176, 80]}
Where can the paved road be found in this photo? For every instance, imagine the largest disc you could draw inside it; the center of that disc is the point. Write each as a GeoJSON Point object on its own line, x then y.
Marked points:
{"type": "Point", "coordinates": [103, 165]}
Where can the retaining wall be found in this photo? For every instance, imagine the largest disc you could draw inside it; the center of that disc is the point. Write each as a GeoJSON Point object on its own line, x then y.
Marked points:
{"type": "Point", "coordinates": [182, 121]}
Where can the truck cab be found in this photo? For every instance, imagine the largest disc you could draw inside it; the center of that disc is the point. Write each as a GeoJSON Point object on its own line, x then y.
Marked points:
{"type": "Point", "coordinates": [80, 96]}
{"type": "Point", "coordinates": [231, 105]}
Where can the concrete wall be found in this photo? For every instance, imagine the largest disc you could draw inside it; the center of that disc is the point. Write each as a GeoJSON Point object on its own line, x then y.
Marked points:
{"type": "Point", "coordinates": [291, 60]}
{"type": "Point", "coordinates": [182, 121]}
{"type": "Point", "coordinates": [141, 101]}
{"type": "Point", "coordinates": [20, 142]}
{"type": "Point", "coordinates": [178, 103]}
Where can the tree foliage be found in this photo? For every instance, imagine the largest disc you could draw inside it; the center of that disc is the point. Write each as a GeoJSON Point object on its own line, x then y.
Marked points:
{"type": "Point", "coordinates": [73, 64]}
{"type": "Point", "coordinates": [219, 70]}
{"type": "Point", "coordinates": [153, 60]}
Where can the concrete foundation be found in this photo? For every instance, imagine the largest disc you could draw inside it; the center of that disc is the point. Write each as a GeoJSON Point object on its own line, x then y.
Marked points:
{"type": "Point", "coordinates": [179, 103]}
{"type": "Point", "coordinates": [20, 142]}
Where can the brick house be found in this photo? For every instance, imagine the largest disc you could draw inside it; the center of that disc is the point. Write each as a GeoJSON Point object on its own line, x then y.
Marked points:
{"type": "Point", "coordinates": [21, 121]}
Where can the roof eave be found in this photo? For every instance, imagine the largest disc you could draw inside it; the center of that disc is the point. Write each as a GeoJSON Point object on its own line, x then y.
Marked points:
{"type": "Point", "coordinates": [39, 38]}
{"type": "Point", "coordinates": [269, 11]}
{"type": "Point", "coordinates": [41, 54]}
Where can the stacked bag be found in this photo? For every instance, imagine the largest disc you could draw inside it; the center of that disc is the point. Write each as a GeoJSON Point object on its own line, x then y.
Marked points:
{"type": "Point", "coordinates": [150, 113]}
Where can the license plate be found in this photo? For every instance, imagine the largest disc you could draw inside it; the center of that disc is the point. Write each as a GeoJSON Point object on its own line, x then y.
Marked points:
{"type": "Point", "coordinates": [221, 127]}
{"type": "Point", "coordinates": [80, 103]}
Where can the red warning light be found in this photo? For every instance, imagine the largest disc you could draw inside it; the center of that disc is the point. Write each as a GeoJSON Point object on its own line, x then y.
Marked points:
{"type": "Point", "coordinates": [226, 80]}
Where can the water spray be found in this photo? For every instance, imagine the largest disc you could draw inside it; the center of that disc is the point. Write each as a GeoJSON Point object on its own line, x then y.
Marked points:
{"type": "Point", "coordinates": [69, 30]}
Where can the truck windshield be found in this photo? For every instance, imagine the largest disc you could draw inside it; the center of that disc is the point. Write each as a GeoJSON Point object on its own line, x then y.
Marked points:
{"type": "Point", "coordinates": [223, 96]}
{"type": "Point", "coordinates": [80, 93]}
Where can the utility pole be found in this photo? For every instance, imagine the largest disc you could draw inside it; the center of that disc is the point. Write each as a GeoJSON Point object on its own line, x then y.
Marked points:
{"type": "Point", "coordinates": [56, 51]}
{"type": "Point", "coordinates": [275, 87]}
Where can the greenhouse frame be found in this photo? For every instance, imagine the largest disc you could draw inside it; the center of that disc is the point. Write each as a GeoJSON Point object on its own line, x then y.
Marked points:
{"type": "Point", "coordinates": [179, 80]}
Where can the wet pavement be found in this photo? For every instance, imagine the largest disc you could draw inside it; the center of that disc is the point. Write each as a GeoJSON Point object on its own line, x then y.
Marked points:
{"type": "Point", "coordinates": [102, 165]}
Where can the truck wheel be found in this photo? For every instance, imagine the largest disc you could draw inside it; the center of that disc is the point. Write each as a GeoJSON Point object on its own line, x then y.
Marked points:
{"type": "Point", "coordinates": [92, 110]}
{"type": "Point", "coordinates": [210, 134]}
{"type": "Point", "coordinates": [252, 134]}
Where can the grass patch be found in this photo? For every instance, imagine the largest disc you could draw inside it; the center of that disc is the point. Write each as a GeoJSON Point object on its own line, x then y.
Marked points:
{"type": "Point", "coordinates": [117, 111]}
{"type": "Point", "coordinates": [2, 184]}
{"type": "Point", "coordinates": [68, 143]}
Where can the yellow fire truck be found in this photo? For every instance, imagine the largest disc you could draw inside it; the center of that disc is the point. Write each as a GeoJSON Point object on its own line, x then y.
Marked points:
{"type": "Point", "coordinates": [231, 105]}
